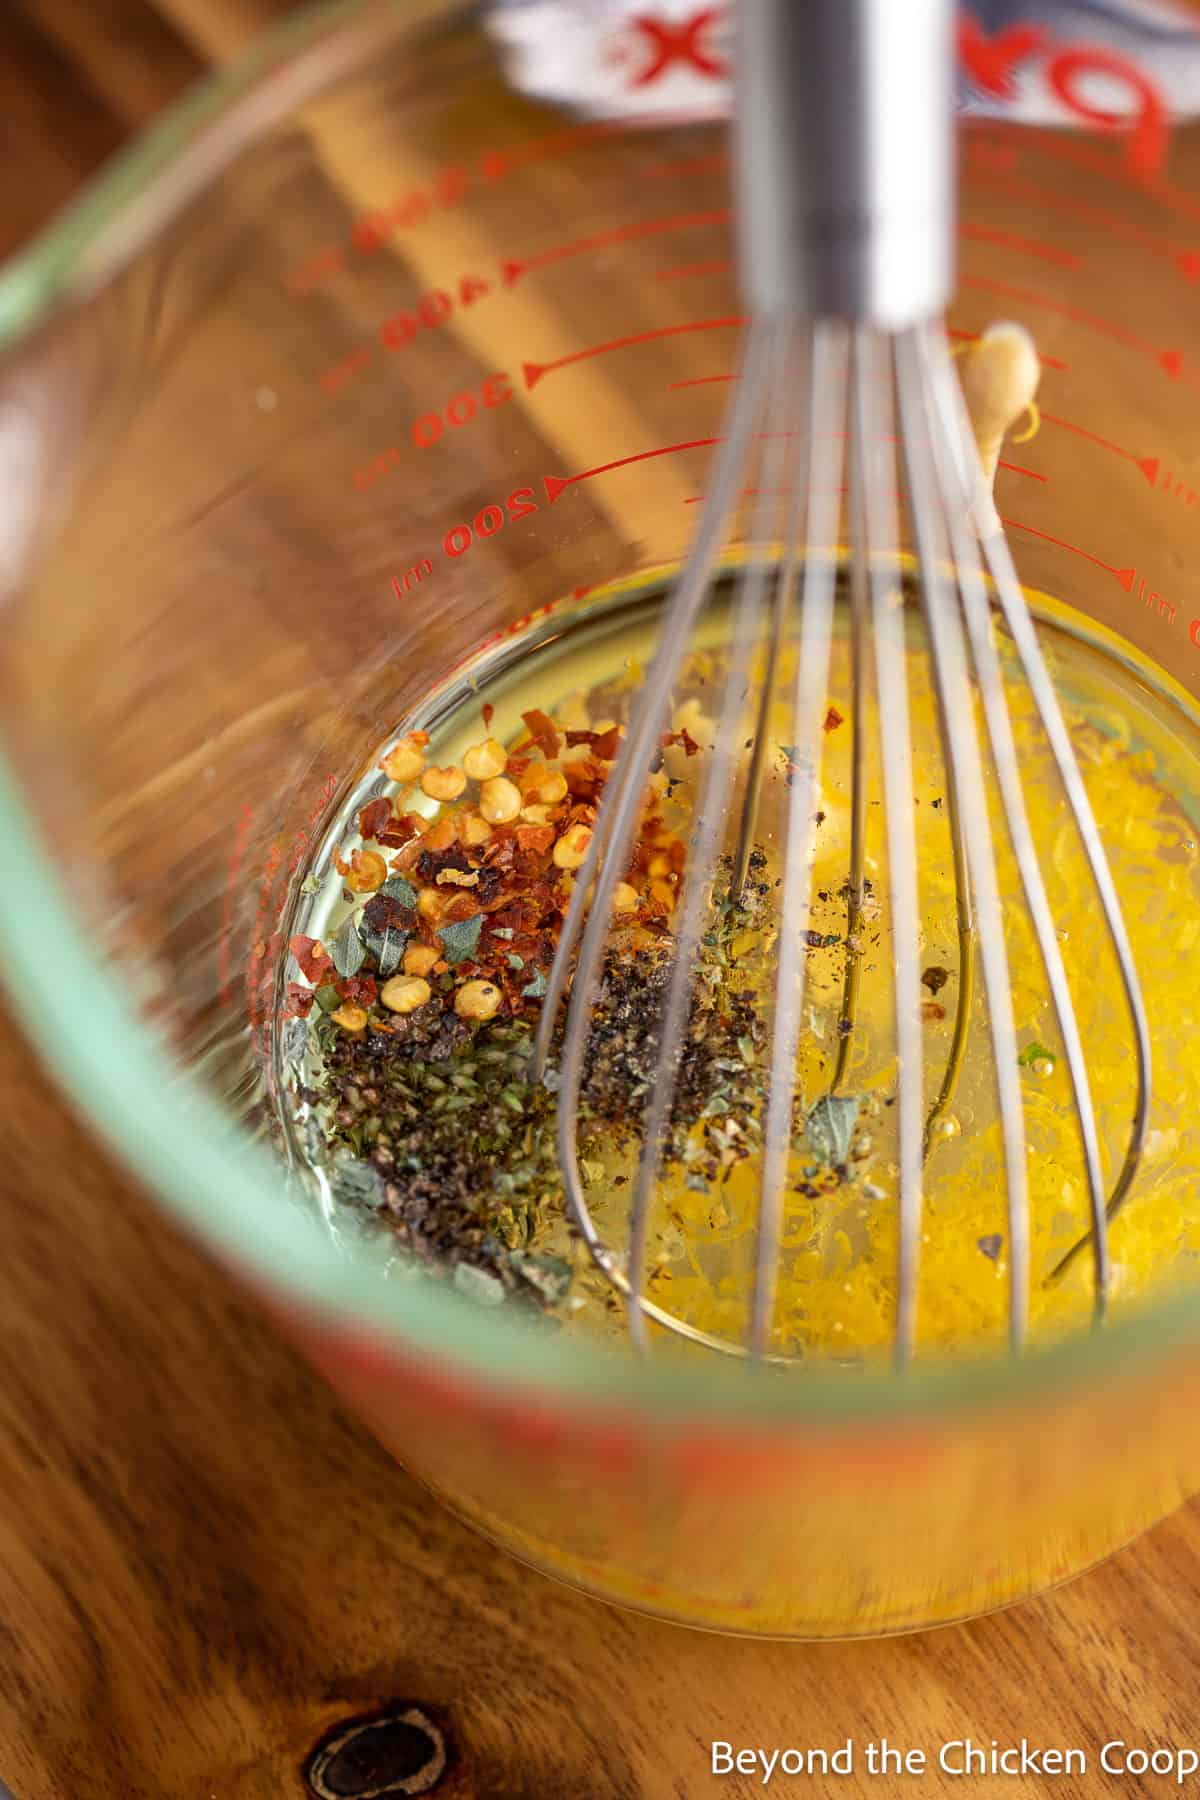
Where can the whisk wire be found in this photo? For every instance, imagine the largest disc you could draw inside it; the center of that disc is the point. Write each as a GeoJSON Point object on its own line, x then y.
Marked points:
{"type": "Point", "coordinates": [939, 525]}
{"type": "Point", "coordinates": [694, 904]}
{"type": "Point", "coordinates": [589, 912]}
{"type": "Point", "coordinates": [824, 423]}
{"type": "Point", "coordinates": [876, 474]}
{"type": "Point", "coordinates": [955, 426]}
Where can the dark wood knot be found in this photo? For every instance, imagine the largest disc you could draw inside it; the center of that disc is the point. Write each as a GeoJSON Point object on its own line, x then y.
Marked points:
{"type": "Point", "coordinates": [398, 1752]}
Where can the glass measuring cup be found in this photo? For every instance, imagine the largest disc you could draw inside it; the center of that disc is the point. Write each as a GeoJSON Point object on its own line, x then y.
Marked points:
{"type": "Point", "coordinates": [361, 365]}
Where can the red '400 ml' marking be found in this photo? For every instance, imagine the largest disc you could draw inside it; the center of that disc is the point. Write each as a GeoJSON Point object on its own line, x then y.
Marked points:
{"type": "Point", "coordinates": [448, 187]}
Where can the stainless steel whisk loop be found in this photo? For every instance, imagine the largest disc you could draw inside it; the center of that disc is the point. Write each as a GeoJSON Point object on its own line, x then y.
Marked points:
{"type": "Point", "coordinates": [844, 155]}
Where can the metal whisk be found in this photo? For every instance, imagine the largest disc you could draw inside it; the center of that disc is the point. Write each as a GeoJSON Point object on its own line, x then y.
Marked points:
{"type": "Point", "coordinates": [844, 142]}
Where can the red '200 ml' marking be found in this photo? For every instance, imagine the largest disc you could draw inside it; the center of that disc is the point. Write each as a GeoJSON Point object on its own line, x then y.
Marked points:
{"type": "Point", "coordinates": [488, 521]}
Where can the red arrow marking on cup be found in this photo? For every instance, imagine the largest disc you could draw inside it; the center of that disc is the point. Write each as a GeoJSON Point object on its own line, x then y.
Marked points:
{"type": "Point", "coordinates": [715, 266]}
{"type": "Point", "coordinates": [1149, 465]}
{"type": "Point", "coordinates": [512, 269]}
{"type": "Point", "coordinates": [1187, 262]}
{"type": "Point", "coordinates": [533, 372]}
{"type": "Point", "coordinates": [1124, 576]}
{"type": "Point", "coordinates": [700, 380]}
{"type": "Point", "coordinates": [1008, 240]}
{"type": "Point", "coordinates": [1169, 360]}
{"type": "Point", "coordinates": [554, 484]}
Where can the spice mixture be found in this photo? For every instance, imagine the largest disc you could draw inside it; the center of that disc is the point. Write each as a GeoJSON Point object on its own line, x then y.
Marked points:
{"type": "Point", "coordinates": [423, 994]}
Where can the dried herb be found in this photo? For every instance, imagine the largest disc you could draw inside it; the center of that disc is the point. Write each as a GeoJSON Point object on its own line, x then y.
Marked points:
{"type": "Point", "coordinates": [991, 1245]}
{"type": "Point", "coordinates": [935, 978]}
{"type": "Point", "coordinates": [460, 939]}
{"type": "Point", "coordinates": [1035, 1053]}
{"type": "Point", "coordinates": [829, 1127]}
{"type": "Point", "coordinates": [349, 952]}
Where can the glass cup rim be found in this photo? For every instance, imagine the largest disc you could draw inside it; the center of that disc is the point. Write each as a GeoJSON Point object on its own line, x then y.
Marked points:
{"type": "Point", "coordinates": [173, 1137]}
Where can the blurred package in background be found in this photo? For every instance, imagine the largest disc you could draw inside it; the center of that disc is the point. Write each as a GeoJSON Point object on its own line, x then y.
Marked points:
{"type": "Point", "coordinates": [1128, 63]}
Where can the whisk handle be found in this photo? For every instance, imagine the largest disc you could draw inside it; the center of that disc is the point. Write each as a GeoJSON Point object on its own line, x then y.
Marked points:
{"type": "Point", "coordinates": [844, 152]}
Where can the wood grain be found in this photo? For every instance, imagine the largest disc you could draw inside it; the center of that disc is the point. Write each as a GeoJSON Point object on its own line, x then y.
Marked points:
{"type": "Point", "coordinates": [206, 1565]}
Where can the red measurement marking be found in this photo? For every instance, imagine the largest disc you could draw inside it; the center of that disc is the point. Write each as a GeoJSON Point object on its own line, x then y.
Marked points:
{"type": "Point", "coordinates": [554, 484]}
{"type": "Point", "coordinates": [1178, 490]}
{"type": "Point", "coordinates": [986, 165]}
{"type": "Point", "coordinates": [1081, 155]}
{"type": "Point", "coordinates": [1149, 465]}
{"type": "Point", "coordinates": [708, 164]}
{"type": "Point", "coordinates": [1008, 240]}
{"type": "Point", "coordinates": [494, 165]}
{"type": "Point", "coordinates": [512, 270]}
{"type": "Point", "coordinates": [412, 577]}
{"type": "Point", "coordinates": [701, 380]}
{"type": "Point", "coordinates": [488, 521]}
{"type": "Point", "coordinates": [1124, 576]}
{"type": "Point", "coordinates": [315, 269]}
{"type": "Point", "coordinates": [715, 266]}
{"type": "Point", "coordinates": [334, 379]}
{"type": "Point", "coordinates": [1017, 469]}
{"type": "Point", "coordinates": [1169, 360]}
{"type": "Point", "coordinates": [533, 372]}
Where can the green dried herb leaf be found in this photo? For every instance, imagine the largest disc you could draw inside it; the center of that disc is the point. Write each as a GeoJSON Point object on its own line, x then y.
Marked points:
{"type": "Point", "coordinates": [515, 961]}
{"type": "Point", "coordinates": [311, 884]}
{"type": "Point", "coordinates": [396, 888]}
{"type": "Point", "coordinates": [479, 1285]}
{"type": "Point", "coordinates": [328, 999]}
{"type": "Point", "coordinates": [387, 947]}
{"type": "Point", "coordinates": [533, 990]}
{"type": "Point", "coordinates": [1033, 1053]}
{"type": "Point", "coordinates": [349, 952]}
{"type": "Point", "coordinates": [829, 1127]}
{"type": "Point", "coordinates": [356, 1184]}
{"type": "Point", "coordinates": [549, 1276]}
{"type": "Point", "coordinates": [460, 940]}
{"type": "Point", "coordinates": [503, 931]}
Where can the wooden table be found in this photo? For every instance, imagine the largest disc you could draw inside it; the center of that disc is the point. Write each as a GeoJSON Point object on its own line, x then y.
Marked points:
{"type": "Point", "coordinates": [207, 1566]}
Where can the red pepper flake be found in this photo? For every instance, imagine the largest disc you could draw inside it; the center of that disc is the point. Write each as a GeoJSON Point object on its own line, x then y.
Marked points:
{"type": "Point", "coordinates": [489, 713]}
{"type": "Point", "coordinates": [357, 990]}
{"type": "Point", "coordinates": [299, 1001]}
{"type": "Point", "coordinates": [583, 779]}
{"type": "Point", "coordinates": [683, 738]}
{"type": "Point", "coordinates": [312, 956]}
{"type": "Point", "coordinates": [373, 817]}
{"type": "Point", "coordinates": [833, 718]}
{"type": "Point", "coordinates": [534, 840]}
{"type": "Point", "coordinates": [543, 731]}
